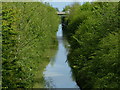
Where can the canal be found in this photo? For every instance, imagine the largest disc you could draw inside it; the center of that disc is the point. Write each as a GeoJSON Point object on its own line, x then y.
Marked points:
{"type": "Point", "coordinates": [57, 73]}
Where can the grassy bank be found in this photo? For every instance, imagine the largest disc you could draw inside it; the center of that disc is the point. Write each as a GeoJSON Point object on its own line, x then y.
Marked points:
{"type": "Point", "coordinates": [28, 32]}
{"type": "Point", "coordinates": [93, 30]}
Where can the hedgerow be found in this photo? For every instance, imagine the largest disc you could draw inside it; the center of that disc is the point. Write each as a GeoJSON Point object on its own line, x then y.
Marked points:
{"type": "Point", "coordinates": [28, 32]}
{"type": "Point", "coordinates": [93, 30]}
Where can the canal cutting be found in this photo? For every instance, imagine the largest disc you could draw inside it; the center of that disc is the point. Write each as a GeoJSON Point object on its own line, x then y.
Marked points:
{"type": "Point", "coordinates": [58, 73]}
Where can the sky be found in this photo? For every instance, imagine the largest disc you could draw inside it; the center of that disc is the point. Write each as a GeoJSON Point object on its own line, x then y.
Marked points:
{"type": "Point", "coordinates": [60, 4]}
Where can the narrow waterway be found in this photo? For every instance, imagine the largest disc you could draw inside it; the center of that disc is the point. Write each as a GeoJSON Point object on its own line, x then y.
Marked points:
{"type": "Point", "coordinates": [58, 73]}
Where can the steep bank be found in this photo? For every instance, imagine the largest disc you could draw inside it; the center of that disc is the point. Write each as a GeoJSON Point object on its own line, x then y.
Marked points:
{"type": "Point", "coordinates": [28, 32]}
{"type": "Point", "coordinates": [93, 30]}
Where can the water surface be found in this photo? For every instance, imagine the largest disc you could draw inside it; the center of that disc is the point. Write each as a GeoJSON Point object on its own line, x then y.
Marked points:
{"type": "Point", "coordinates": [58, 73]}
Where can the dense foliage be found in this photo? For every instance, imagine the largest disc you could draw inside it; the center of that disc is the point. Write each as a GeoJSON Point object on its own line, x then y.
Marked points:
{"type": "Point", "coordinates": [28, 31]}
{"type": "Point", "coordinates": [93, 30]}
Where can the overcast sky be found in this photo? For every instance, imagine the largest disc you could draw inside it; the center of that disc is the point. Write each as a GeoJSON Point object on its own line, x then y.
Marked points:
{"type": "Point", "coordinates": [66, 0]}
{"type": "Point", "coordinates": [60, 4]}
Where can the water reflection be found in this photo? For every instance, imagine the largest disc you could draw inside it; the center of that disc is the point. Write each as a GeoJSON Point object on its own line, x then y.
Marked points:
{"type": "Point", "coordinates": [58, 74]}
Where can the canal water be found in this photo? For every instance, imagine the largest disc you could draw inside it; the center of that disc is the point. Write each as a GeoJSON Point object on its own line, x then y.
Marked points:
{"type": "Point", "coordinates": [58, 73]}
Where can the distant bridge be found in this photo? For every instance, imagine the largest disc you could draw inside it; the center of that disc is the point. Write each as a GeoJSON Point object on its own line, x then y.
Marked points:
{"type": "Point", "coordinates": [61, 13]}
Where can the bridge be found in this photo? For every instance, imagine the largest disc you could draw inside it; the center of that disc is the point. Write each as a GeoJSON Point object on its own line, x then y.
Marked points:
{"type": "Point", "coordinates": [62, 13]}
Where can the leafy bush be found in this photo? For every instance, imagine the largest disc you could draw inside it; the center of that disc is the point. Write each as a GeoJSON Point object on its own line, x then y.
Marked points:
{"type": "Point", "coordinates": [92, 30]}
{"type": "Point", "coordinates": [28, 31]}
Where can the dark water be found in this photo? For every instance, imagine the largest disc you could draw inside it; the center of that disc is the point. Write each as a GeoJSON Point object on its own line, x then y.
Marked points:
{"type": "Point", "coordinates": [58, 73]}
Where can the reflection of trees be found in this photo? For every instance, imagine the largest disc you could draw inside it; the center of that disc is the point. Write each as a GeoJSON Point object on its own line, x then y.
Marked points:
{"type": "Point", "coordinates": [52, 61]}
{"type": "Point", "coordinates": [62, 42]}
{"type": "Point", "coordinates": [71, 71]}
{"type": "Point", "coordinates": [49, 83]}
{"type": "Point", "coordinates": [65, 44]}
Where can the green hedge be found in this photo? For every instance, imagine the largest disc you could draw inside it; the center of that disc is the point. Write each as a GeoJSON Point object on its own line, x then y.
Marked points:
{"type": "Point", "coordinates": [28, 32]}
{"type": "Point", "coordinates": [93, 30]}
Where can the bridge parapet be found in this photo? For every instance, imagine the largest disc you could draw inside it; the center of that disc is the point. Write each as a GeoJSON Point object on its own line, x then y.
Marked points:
{"type": "Point", "coordinates": [63, 13]}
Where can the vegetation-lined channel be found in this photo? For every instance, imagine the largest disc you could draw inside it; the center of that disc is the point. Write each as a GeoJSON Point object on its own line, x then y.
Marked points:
{"type": "Point", "coordinates": [29, 45]}
{"type": "Point", "coordinates": [58, 73]}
